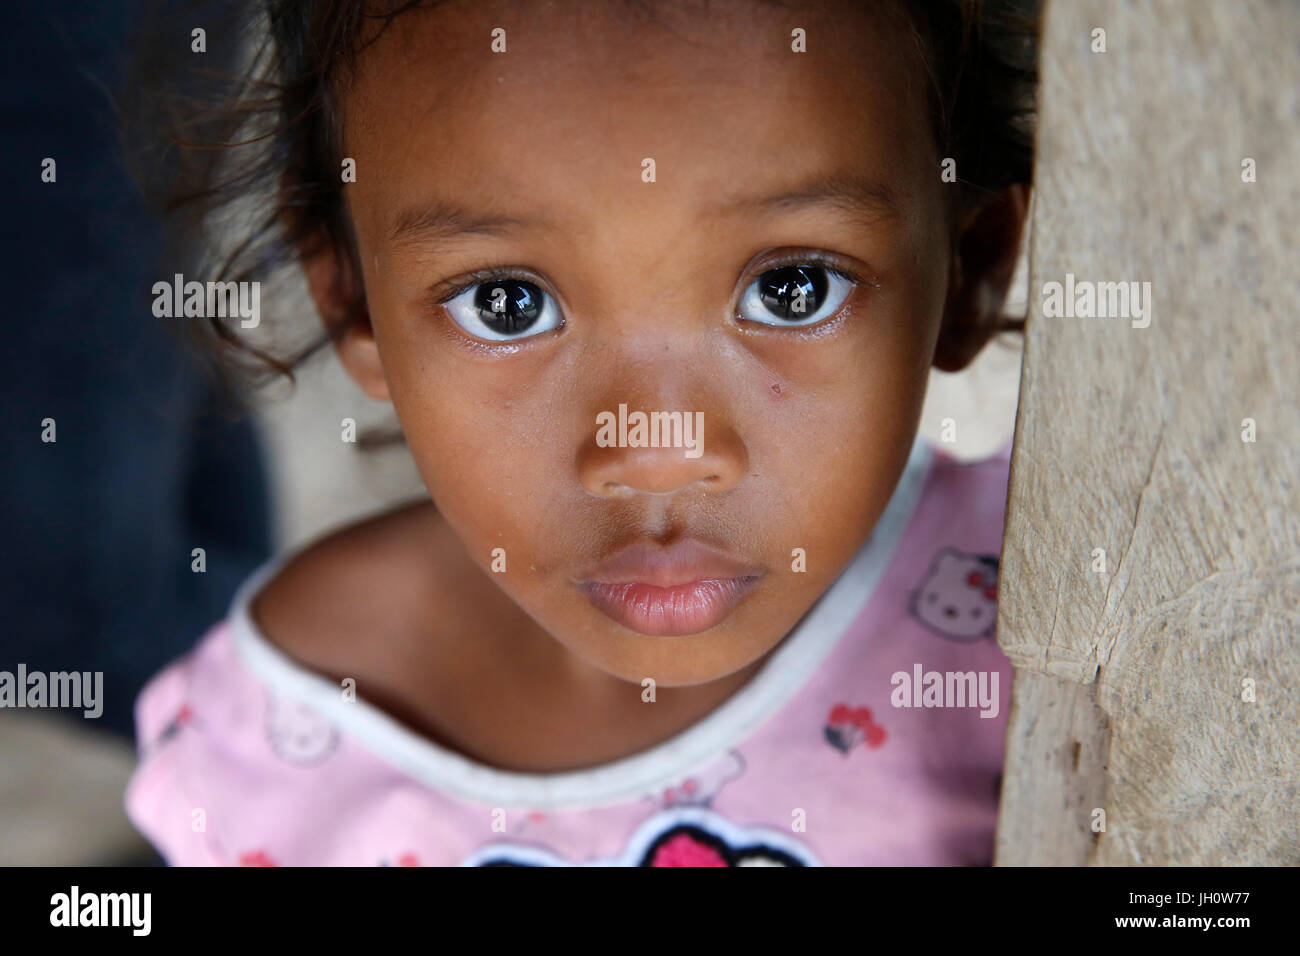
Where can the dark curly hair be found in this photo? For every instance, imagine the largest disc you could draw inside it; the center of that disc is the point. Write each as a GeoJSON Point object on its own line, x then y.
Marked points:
{"type": "Point", "coordinates": [206, 140]}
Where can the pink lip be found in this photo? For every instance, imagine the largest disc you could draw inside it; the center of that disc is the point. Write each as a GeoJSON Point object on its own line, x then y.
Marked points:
{"type": "Point", "coordinates": [683, 589]}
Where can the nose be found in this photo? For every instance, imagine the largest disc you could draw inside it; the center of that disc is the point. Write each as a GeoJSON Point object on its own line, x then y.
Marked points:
{"type": "Point", "coordinates": [631, 466]}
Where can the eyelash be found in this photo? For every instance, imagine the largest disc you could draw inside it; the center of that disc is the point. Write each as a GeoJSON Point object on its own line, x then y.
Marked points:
{"type": "Point", "coordinates": [819, 259]}
{"type": "Point", "coordinates": [480, 276]}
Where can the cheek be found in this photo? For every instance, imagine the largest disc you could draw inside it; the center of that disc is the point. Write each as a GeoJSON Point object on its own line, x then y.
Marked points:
{"type": "Point", "coordinates": [479, 459]}
{"type": "Point", "coordinates": [836, 418]}
{"type": "Point", "coordinates": [495, 443]}
{"type": "Point", "coordinates": [465, 427]}
{"type": "Point", "coordinates": [863, 384]}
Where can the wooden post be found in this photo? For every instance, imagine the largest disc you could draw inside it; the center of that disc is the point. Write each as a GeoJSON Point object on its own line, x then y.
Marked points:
{"type": "Point", "coordinates": [1151, 569]}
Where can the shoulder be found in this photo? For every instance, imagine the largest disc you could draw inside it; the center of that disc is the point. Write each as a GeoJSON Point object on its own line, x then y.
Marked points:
{"type": "Point", "coordinates": [358, 591]}
{"type": "Point", "coordinates": [214, 734]}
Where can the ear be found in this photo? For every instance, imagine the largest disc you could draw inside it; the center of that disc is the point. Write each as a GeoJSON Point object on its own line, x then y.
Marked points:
{"type": "Point", "coordinates": [986, 249]}
{"type": "Point", "coordinates": [334, 280]}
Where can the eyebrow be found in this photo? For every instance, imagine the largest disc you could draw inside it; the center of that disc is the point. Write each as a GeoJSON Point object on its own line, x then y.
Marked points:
{"type": "Point", "coordinates": [865, 198]}
{"type": "Point", "coordinates": [440, 221]}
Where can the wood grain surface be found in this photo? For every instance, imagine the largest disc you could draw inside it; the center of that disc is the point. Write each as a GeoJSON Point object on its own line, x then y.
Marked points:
{"type": "Point", "coordinates": [1132, 686]}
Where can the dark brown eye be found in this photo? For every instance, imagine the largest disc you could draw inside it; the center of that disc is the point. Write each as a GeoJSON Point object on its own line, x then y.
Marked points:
{"type": "Point", "coordinates": [793, 292]}
{"type": "Point", "coordinates": [795, 295]}
{"type": "Point", "coordinates": [509, 306]}
{"type": "Point", "coordinates": [504, 309]}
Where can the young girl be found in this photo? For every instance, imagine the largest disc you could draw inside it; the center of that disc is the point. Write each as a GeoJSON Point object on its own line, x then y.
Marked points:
{"type": "Point", "coordinates": [654, 290]}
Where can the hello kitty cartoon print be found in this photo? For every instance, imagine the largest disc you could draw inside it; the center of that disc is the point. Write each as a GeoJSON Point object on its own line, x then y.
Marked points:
{"type": "Point", "coordinates": [297, 733]}
{"type": "Point", "coordinates": [958, 599]}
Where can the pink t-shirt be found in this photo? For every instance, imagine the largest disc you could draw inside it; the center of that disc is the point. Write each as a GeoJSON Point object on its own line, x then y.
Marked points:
{"type": "Point", "coordinates": [873, 735]}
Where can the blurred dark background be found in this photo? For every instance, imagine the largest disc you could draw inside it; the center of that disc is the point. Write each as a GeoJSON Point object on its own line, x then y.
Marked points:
{"type": "Point", "coordinates": [149, 462]}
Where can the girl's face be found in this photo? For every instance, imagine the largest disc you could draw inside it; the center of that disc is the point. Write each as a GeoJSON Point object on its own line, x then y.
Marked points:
{"type": "Point", "coordinates": [670, 212]}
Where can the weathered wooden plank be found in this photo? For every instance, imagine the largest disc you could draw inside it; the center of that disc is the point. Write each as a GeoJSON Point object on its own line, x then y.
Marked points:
{"type": "Point", "coordinates": [1054, 779]}
{"type": "Point", "coordinates": [1129, 439]}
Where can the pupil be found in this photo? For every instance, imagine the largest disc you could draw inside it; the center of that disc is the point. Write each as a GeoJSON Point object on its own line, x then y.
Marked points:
{"type": "Point", "coordinates": [508, 305]}
{"type": "Point", "coordinates": [793, 292]}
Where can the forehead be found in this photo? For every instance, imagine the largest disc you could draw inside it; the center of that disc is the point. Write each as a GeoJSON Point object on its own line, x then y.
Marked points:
{"type": "Point", "coordinates": [585, 92]}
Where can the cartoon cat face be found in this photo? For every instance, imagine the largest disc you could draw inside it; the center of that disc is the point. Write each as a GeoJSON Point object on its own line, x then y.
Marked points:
{"type": "Point", "coordinates": [297, 733]}
{"type": "Point", "coordinates": [958, 598]}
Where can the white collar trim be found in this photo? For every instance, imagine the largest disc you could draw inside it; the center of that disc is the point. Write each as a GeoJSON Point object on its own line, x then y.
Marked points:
{"type": "Point", "coordinates": [632, 777]}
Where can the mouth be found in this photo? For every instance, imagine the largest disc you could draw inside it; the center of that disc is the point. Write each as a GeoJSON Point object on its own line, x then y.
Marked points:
{"type": "Point", "coordinates": [669, 591]}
